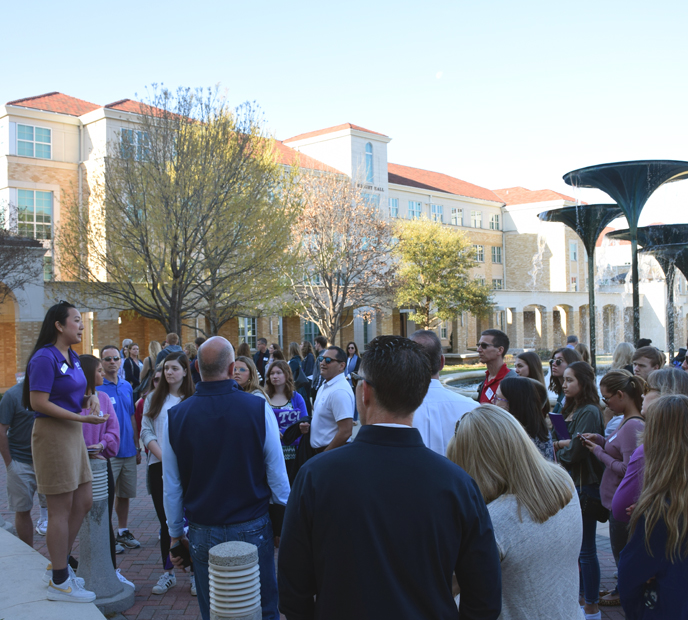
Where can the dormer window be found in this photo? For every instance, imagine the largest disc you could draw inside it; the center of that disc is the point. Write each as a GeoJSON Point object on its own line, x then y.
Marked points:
{"type": "Point", "coordinates": [369, 162]}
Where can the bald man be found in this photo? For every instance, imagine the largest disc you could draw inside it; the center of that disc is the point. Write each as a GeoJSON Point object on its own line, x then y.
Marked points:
{"type": "Point", "coordinates": [222, 463]}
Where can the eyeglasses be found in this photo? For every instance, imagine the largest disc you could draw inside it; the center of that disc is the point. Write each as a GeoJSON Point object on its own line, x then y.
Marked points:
{"type": "Point", "coordinates": [240, 369]}
{"type": "Point", "coordinates": [111, 359]}
{"type": "Point", "coordinates": [352, 348]}
{"type": "Point", "coordinates": [327, 360]}
{"type": "Point", "coordinates": [556, 362]}
{"type": "Point", "coordinates": [483, 345]}
{"type": "Point", "coordinates": [358, 378]}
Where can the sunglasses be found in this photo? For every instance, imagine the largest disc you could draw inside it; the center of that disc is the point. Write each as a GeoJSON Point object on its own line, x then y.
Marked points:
{"type": "Point", "coordinates": [111, 359]}
{"type": "Point", "coordinates": [483, 345]}
{"type": "Point", "coordinates": [327, 360]}
{"type": "Point", "coordinates": [356, 377]}
{"type": "Point", "coordinates": [556, 362]}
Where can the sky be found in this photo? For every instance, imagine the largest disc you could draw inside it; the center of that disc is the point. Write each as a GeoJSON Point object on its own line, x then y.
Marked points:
{"type": "Point", "coordinates": [497, 93]}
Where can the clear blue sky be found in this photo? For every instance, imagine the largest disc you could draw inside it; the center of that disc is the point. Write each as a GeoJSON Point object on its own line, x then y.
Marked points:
{"type": "Point", "coordinates": [498, 93]}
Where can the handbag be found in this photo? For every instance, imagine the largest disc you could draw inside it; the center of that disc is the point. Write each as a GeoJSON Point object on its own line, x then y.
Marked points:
{"type": "Point", "coordinates": [592, 507]}
{"type": "Point", "coordinates": [301, 380]}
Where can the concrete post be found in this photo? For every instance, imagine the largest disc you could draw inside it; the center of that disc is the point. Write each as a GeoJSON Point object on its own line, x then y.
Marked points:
{"type": "Point", "coordinates": [547, 329]}
{"type": "Point", "coordinates": [516, 336]}
{"type": "Point", "coordinates": [455, 335]}
{"type": "Point", "coordinates": [95, 563]}
{"type": "Point", "coordinates": [234, 581]}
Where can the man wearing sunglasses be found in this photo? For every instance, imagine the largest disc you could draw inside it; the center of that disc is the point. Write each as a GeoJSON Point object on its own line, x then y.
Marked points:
{"type": "Point", "coordinates": [129, 456]}
{"type": "Point", "coordinates": [492, 347]}
{"type": "Point", "coordinates": [377, 529]}
{"type": "Point", "coordinates": [333, 412]}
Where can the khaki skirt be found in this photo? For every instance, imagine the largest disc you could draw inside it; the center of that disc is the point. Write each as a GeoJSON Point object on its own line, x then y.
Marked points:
{"type": "Point", "coordinates": [60, 458]}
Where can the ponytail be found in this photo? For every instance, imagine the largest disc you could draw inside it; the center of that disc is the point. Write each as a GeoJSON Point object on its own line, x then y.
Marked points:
{"type": "Point", "coordinates": [622, 380]}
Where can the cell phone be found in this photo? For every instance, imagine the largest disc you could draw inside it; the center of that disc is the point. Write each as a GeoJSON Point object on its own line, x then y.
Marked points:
{"type": "Point", "coordinates": [181, 551]}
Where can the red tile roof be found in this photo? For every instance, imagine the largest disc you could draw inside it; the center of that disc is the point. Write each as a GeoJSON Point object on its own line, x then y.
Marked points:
{"type": "Point", "coordinates": [606, 230]}
{"type": "Point", "coordinates": [129, 105]}
{"type": "Point", "coordinates": [424, 179]}
{"type": "Point", "coordinates": [56, 102]}
{"type": "Point", "coordinates": [288, 156]}
{"type": "Point", "coordinates": [320, 132]}
{"type": "Point", "coordinates": [521, 195]}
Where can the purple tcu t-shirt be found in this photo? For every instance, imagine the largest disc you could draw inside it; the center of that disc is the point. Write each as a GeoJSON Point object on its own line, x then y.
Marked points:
{"type": "Point", "coordinates": [49, 372]}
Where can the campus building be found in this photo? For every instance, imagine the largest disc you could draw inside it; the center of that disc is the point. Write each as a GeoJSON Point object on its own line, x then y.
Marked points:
{"type": "Point", "coordinates": [50, 144]}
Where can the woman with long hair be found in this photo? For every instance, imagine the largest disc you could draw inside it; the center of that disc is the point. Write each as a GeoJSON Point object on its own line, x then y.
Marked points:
{"type": "Point", "coordinates": [102, 441]}
{"type": "Point", "coordinates": [287, 404]}
{"type": "Point", "coordinates": [582, 415]}
{"type": "Point", "coordinates": [518, 396]}
{"type": "Point", "coordinates": [529, 364]}
{"type": "Point", "coordinates": [133, 366]}
{"type": "Point", "coordinates": [529, 499]}
{"type": "Point", "coordinates": [660, 383]}
{"type": "Point", "coordinates": [273, 349]}
{"type": "Point", "coordinates": [154, 349]}
{"type": "Point", "coordinates": [560, 361]}
{"type": "Point", "coordinates": [246, 375]}
{"type": "Point", "coordinates": [138, 407]}
{"type": "Point", "coordinates": [623, 357]}
{"type": "Point", "coordinates": [623, 393]}
{"type": "Point", "coordinates": [55, 389]}
{"type": "Point", "coordinates": [583, 351]}
{"type": "Point", "coordinates": [653, 571]}
{"type": "Point", "coordinates": [243, 350]}
{"type": "Point", "coordinates": [175, 385]}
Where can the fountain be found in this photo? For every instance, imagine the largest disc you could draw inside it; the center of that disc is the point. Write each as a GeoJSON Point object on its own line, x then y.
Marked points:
{"type": "Point", "coordinates": [588, 221]}
{"type": "Point", "coordinates": [630, 184]}
{"type": "Point", "coordinates": [667, 243]}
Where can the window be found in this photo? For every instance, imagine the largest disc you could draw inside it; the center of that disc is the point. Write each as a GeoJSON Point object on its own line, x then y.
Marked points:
{"type": "Point", "coordinates": [497, 284]}
{"type": "Point", "coordinates": [35, 214]}
{"type": "Point", "coordinates": [33, 141]}
{"type": "Point", "coordinates": [372, 200]}
{"type": "Point", "coordinates": [393, 207]}
{"type": "Point", "coordinates": [247, 330]}
{"type": "Point", "coordinates": [310, 331]}
{"type": "Point", "coordinates": [48, 268]}
{"type": "Point", "coordinates": [366, 331]}
{"type": "Point", "coordinates": [444, 330]}
{"type": "Point", "coordinates": [497, 254]}
{"type": "Point", "coordinates": [477, 219]}
{"type": "Point", "coordinates": [494, 222]}
{"type": "Point", "coordinates": [479, 253]}
{"type": "Point", "coordinates": [369, 162]}
{"type": "Point", "coordinates": [481, 280]}
{"type": "Point", "coordinates": [414, 210]}
{"type": "Point", "coordinates": [574, 284]}
{"type": "Point", "coordinates": [134, 144]}
{"type": "Point", "coordinates": [456, 217]}
{"type": "Point", "coordinates": [437, 213]}
{"type": "Point", "coordinates": [573, 250]}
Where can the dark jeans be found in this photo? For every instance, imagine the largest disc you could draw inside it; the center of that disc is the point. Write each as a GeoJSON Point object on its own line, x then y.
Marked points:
{"type": "Point", "coordinates": [618, 536]}
{"type": "Point", "coordinates": [589, 564]}
{"type": "Point", "coordinates": [155, 486]}
{"type": "Point", "coordinates": [202, 538]}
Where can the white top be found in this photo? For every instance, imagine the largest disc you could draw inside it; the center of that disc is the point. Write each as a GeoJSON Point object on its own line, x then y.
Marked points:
{"type": "Point", "coordinates": [335, 402]}
{"type": "Point", "coordinates": [278, 480]}
{"type": "Point", "coordinates": [612, 425]}
{"type": "Point", "coordinates": [533, 554]}
{"type": "Point", "coordinates": [438, 414]}
{"type": "Point", "coordinates": [152, 429]}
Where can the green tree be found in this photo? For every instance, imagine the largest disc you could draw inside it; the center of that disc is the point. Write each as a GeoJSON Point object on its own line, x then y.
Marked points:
{"type": "Point", "coordinates": [434, 273]}
{"type": "Point", "coordinates": [184, 214]}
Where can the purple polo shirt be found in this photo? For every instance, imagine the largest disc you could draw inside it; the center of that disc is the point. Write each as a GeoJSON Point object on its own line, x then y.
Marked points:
{"type": "Point", "coordinates": [48, 371]}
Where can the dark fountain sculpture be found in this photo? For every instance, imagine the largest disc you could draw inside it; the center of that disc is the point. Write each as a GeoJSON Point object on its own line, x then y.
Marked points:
{"type": "Point", "coordinates": [668, 243]}
{"type": "Point", "coordinates": [630, 184]}
{"type": "Point", "coordinates": [588, 221]}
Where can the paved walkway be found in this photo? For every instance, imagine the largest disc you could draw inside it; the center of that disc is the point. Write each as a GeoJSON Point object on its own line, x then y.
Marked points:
{"type": "Point", "coordinates": [143, 566]}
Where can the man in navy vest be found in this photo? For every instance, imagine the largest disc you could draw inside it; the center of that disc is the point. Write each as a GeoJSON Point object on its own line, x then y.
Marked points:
{"type": "Point", "coordinates": [222, 463]}
{"type": "Point", "coordinates": [376, 529]}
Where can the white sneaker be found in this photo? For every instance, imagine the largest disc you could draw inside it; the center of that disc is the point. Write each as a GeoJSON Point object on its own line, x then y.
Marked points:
{"type": "Point", "coordinates": [70, 592]}
{"type": "Point", "coordinates": [165, 582]}
{"type": "Point", "coordinates": [118, 548]}
{"type": "Point", "coordinates": [193, 585]}
{"type": "Point", "coordinates": [123, 579]}
{"type": "Point", "coordinates": [42, 527]}
{"type": "Point", "coordinates": [49, 575]}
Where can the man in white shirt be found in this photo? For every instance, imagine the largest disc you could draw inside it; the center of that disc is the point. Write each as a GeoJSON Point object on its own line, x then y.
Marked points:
{"type": "Point", "coordinates": [333, 412]}
{"type": "Point", "coordinates": [436, 418]}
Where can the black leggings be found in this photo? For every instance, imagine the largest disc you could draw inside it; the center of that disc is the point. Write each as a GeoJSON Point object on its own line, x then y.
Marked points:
{"type": "Point", "coordinates": [111, 503]}
{"type": "Point", "coordinates": [155, 486]}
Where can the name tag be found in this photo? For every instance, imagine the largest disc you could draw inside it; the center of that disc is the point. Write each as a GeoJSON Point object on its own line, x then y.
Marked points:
{"type": "Point", "coordinates": [489, 393]}
{"type": "Point", "coordinates": [64, 368]}
{"type": "Point", "coordinates": [113, 400]}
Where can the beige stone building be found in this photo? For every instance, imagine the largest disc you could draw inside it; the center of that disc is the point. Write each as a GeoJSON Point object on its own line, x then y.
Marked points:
{"type": "Point", "coordinates": [52, 143]}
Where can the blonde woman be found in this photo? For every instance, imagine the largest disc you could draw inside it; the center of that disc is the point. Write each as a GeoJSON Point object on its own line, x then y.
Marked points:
{"type": "Point", "coordinates": [623, 357]}
{"type": "Point", "coordinates": [149, 363]}
{"type": "Point", "coordinates": [653, 570]}
{"type": "Point", "coordinates": [246, 375]}
{"type": "Point", "coordinates": [534, 510]}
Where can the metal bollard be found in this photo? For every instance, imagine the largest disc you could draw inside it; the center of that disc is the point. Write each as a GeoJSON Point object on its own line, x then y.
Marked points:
{"type": "Point", "coordinates": [95, 563]}
{"type": "Point", "coordinates": [234, 578]}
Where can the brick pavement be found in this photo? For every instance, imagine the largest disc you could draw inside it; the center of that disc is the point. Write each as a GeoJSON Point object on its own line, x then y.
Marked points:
{"type": "Point", "coordinates": [143, 566]}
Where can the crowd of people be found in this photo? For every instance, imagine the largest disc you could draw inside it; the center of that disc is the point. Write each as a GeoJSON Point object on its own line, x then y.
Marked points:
{"type": "Point", "coordinates": [442, 506]}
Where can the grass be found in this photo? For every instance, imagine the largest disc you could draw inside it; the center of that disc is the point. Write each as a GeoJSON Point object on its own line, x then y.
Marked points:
{"type": "Point", "coordinates": [450, 370]}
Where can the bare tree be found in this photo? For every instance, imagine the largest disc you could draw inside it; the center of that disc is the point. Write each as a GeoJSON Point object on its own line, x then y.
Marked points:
{"type": "Point", "coordinates": [187, 204]}
{"type": "Point", "coordinates": [344, 246]}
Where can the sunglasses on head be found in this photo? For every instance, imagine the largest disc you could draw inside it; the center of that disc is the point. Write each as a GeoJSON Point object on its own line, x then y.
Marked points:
{"type": "Point", "coordinates": [111, 359]}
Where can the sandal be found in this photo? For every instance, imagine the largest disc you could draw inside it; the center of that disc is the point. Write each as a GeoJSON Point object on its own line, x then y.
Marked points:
{"type": "Point", "coordinates": [610, 600]}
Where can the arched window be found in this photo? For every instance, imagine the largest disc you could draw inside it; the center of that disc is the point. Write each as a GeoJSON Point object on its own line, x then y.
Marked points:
{"type": "Point", "coordinates": [369, 162]}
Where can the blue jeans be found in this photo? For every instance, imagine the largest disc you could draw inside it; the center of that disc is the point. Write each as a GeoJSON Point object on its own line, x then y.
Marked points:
{"type": "Point", "coordinates": [202, 538]}
{"type": "Point", "coordinates": [589, 564]}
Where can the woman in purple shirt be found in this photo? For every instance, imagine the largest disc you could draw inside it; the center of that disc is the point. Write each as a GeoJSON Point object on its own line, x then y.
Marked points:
{"type": "Point", "coordinates": [54, 388]}
{"type": "Point", "coordinates": [623, 393]}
